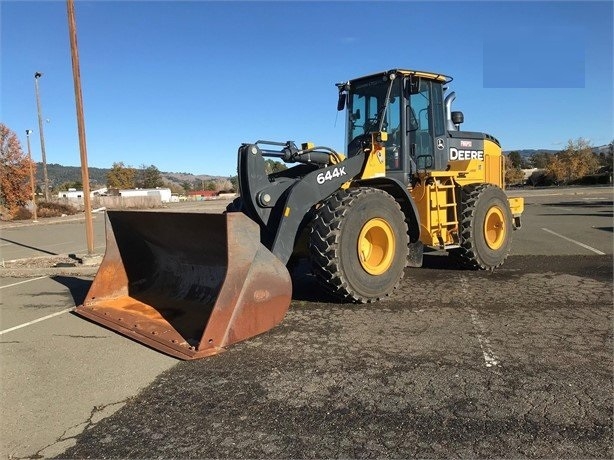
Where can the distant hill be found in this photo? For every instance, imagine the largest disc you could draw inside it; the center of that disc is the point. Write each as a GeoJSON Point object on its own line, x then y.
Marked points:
{"type": "Point", "coordinates": [59, 174]}
{"type": "Point", "coordinates": [531, 152]}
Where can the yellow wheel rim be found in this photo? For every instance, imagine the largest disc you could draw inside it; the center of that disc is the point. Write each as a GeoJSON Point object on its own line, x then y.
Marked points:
{"type": "Point", "coordinates": [376, 246]}
{"type": "Point", "coordinates": [494, 228]}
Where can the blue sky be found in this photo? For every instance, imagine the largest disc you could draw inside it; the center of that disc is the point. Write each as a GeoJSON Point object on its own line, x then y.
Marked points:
{"type": "Point", "coordinates": [180, 85]}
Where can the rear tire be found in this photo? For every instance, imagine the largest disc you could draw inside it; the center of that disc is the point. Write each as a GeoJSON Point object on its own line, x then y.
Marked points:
{"type": "Point", "coordinates": [358, 244]}
{"type": "Point", "coordinates": [485, 227]}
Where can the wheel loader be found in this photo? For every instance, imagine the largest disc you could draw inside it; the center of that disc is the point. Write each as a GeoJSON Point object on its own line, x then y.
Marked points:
{"type": "Point", "coordinates": [191, 284]}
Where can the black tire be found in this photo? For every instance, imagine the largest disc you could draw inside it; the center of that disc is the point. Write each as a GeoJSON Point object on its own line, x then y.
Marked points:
{"type": "Point", "coordinates": [235, 205]}
{"type": "Point", "coordinates": [485, 227]}
{"type": "Point", "coordinates": [372, 217]}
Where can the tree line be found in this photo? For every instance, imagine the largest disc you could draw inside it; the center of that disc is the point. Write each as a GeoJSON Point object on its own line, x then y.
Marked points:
{"type": "Point", "coordinates": [126, 177]}
{"type": "Point", "coordinates": [575, 163]}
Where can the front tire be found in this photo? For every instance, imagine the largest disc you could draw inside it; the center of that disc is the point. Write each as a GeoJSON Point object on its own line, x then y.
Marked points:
{"type": "Point", "coordinates": [359, 244]}
{"type": "Point", "coordinates": [485, 226]}
{"type": "Point", "coordinates": [235, 205]}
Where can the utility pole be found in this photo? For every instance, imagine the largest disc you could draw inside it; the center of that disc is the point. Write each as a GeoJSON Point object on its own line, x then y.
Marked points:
{"type": "Point", "coordinates": [28, 132]}
{"type": "Point", "coordinates": [37, 75]}
{"type": "Point", "coordinates": [85, 177]}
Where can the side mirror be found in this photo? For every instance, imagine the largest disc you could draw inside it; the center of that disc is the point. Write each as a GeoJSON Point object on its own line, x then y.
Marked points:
{"type": "Point", "coordinates": [356, 115]}
{"type": "Point", "coordinates": [341, 102]}
{"type": "Point", "coordinates": [412, 85]}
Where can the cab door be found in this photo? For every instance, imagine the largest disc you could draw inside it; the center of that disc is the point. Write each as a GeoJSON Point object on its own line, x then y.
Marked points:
{"type": "Point", "coordinates": [425, 125]}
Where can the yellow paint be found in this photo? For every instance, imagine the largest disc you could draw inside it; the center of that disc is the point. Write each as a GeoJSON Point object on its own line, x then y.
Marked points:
{"type": "Point", "coordinates": [493, 164]}
{"type": "Point", "coordinates": [494, 228]}
{"type": "Point", "coordinates": [307, 145]}
{"type": "Point", "coordinates": [375, 166]}
{"type": "Point", "coordinates": [417, 73]}
{"type": "Point", "coordinates": [376, 246]}
{"type": "Point", "coordinates": [436, 205]}
{"type": "Point", "coordinates": [423, 74]}
{"type": "Point", "coordinates": [286, 211]}
{"type": "Point", "coordinates": [489, 170]}
{"type": "Point", "coordinates": [465, 172]}
{"type": "Point", "coordinates": [516, 205]}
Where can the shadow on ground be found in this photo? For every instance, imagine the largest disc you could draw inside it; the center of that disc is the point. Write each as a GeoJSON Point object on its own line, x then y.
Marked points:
{"type": "Point", "coordinates": [77, 287]}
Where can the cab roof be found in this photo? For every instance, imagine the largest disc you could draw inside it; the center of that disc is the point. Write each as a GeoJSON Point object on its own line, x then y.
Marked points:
{"type": "Point", "coordinates": [405, 72]}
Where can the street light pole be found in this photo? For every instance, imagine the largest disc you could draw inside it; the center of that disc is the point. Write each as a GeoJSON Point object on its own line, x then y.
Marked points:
{"type": "Point", "coordinates": [28, 132]}
{"type": "Point", "coordinates": [74, 52]}
{"type": "Point", "coordinates": [37, 75]}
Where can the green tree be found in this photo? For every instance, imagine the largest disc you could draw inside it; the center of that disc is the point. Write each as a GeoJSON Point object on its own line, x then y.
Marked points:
{"type": "Point", "coordinates": [272, 166]}
{"type": "Point", "coordinates": [121, 176]}
{"type": "Point", "coordinates": [186, 186]}
{"type": "Point", "coordinates": [515, 159]}
{"type": "Point", "coordinates": [234, 181]}
{"type": "Point", "coordinates": [540, 160]}
{"type": "Point", "coordinates": [150, 177]}
{"type": "Point", "coordinates": [198, 184]}
{"type": "Point", "coordinates": [68, 185]}
{"type": "Point", "coordinates": [606, 159]}
{"type": "Point", "coordinates": [15, 188]}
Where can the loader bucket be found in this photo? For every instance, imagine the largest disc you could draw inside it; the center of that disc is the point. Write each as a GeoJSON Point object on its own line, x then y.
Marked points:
{"type": "Point", "coordinates": [187, 284]}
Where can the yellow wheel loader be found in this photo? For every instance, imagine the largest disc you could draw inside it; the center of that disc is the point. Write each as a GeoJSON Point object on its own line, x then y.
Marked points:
{"type": "Point", "coordinates": [191, 284]}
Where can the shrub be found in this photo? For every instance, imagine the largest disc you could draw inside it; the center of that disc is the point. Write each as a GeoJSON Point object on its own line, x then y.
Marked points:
{"type": "Point", "coordinates": [22, 214]}
{"type": "Point", "coordinates": [51, 209]}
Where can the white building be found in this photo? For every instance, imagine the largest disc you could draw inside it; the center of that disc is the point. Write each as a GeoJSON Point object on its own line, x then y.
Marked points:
{"type": "Point", "coordinates": [74, 193]}
{"type": "Point", "coordinates": [163, 193]}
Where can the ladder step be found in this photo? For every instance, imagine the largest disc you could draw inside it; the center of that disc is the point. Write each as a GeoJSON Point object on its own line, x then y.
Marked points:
{"type": "Point", "coordinates": [449, 205]}
{"type": "Point", "coordinates": [448, 223]}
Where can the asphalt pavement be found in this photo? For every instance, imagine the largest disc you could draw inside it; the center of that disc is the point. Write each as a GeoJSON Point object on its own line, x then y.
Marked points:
{"type": "Point", "coordinates": [513, 363]}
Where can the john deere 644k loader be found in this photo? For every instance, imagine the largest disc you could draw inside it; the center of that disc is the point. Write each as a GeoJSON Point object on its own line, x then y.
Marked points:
{"type": "Point", "coordinates": [190, 284]}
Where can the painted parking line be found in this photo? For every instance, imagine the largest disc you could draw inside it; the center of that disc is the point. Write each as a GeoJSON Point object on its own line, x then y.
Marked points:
{"type": "Point", "coordinates": [21, 282]}
{"type": "Point", "coordinates": [53, 315]}
{"type": "Point", "coordinates": [490, 359]}
{"type": "Point", "coordinates": [585, 246]}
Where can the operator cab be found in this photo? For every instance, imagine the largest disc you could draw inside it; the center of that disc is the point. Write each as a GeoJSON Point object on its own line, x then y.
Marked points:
{"type": "Point", "coordinates": [409, 106]}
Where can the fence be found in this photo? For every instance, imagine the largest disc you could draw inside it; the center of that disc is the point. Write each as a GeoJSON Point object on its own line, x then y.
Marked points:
{"type": "Point", "coordinates": [116, 202]}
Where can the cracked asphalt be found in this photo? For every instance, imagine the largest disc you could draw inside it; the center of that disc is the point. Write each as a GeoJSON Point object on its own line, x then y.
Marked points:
{"type": "Point", "coordinates": [515, 363]}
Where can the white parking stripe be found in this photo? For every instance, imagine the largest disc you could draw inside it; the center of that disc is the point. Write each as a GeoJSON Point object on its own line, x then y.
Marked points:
{"type": "Point", "coordinates": [36, 321]}
{"type": "Point", "coordinates": [490, 359]}
{"type": "Point", "coordinates": [21, 282]}
{"type": "Point", "coordinates": [585, 246]}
